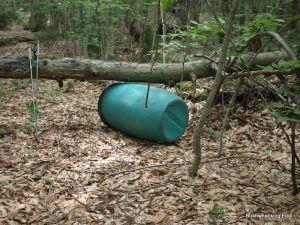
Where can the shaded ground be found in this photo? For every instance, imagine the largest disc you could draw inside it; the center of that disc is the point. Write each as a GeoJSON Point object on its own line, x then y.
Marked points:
{"type": "Point", "coordinates": [71, 176]}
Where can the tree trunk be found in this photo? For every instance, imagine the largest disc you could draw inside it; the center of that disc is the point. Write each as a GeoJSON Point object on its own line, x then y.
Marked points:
{"type": "Point", "coordinates": [248, 10]}
{"type": "Point", "coordinates": [215, 87]}
{"type": "Point", "coordinates": [86, 69]}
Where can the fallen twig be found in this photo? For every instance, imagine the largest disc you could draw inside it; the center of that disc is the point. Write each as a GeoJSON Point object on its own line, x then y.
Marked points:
{"type": "Point", "coordinates": [80, 202]}
{"type": "Point", "coordinates": [239, 157]}
{"type": "Point", "coordinates": [249, 122]}
{"type": "Point", "coordinates": [142, 209]}
{"type": "Point", "coordinates": [123, 211]}
{"type": "Point", "coordinates": [181, 164]}
{"type": "Point", "coordinates": [146, 167]}
{"type": "Point", "coordinates": [190, 206]}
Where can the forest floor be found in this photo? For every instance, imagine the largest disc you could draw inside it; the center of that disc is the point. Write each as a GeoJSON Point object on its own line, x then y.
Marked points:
{"type": "Point", "coordinates": [84, 172]}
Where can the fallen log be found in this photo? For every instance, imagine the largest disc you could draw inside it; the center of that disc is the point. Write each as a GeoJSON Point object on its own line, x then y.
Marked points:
{"type": "Point", "coordinates": [12, 38]}
{"type": "Point", "coordinates": [87, 69]}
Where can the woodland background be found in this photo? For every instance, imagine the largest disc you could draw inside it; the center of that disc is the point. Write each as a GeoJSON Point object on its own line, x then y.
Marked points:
{"type": "Point", "coordinates": [83, 172]}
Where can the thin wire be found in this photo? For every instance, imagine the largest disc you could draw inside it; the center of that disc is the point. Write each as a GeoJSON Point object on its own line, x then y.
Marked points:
{"type": "Point", "coordinates": [32, 88]}
{"type": "Point", "coordinates": [36, 85]}
{"type": "Point", "coordinates": [164, 33]}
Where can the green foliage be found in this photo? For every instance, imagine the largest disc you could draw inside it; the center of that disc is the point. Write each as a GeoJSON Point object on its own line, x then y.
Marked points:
{"type": "Point", "coordinates": [4, 93]}
{"type": "Point", "coordinates": [288, 108]}
{"type": "Point", "coordinates": [69, 86]}
{"type": "Point", "coordinates": [49, 181]}
{"type": "Point", "coordinates": [48, 35]}
{"type": "Point", "coordinates": [284, 112]}
{"type": "Point", "coordinates": [184, 86]}
{"type": "Point", "coordinates": [287, 65]}
{"type": "Point", "coordinates": [21, 18]}
{"type": "Point", "coordinates": [216, 213]}
{"type": "Point", "coordinates": [34, 113]}
{"type": "Point", "coordinates": [55, 95]}
{"type": "Point", "coordinates": [39, 15]}
{"type": "Point", "coordinates": [27, 152]}
{"type": "Point", "coordinates": [200, 94]}
{"type": "Point", "coordinates": [3, 183]}
{"type": "Point", "coordinates": [263, 22]}
{"type": "Point", "coordinates": [6, 17]}
{"type": "Point", "coordinates": [294, 42]}
{"type": "Point", "coordinates": [213, 133]}
{"type": "Point", "coordinates": [18, 84]}
{"type": "Point", "coordinates": [260, 22]}
{"type": "Point", "coordinates": [166, 3]}
{"type": "Point", "coordinates": [197, 37]}
{"type": "Point", "coordinates": [147, 41]}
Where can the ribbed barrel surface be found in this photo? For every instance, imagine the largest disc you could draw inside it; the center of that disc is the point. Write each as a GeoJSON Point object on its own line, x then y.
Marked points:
{"type": "Point", "coordinates": [122, 106]}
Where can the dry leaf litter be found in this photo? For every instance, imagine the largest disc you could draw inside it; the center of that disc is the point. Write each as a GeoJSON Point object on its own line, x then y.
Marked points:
{"type": "Point", "coordinates": [84, 172]}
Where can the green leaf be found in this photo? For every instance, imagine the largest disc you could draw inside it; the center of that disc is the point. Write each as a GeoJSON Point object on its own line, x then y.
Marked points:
{"type": "Point", "coordinates": [296, 111]}
{"type": "Point", "coordinates": [289, 119]}
{"type": "Point", "coordinates": [281, 119]}
{"type": "Point", "coordinates": [194, 22]}
{"type": "Point", "coordinates": [213, 133]}
{"type": "Point", "coordinates": [280, 20]}
{"type": "Point", "coordinates": [269, 68]}
{"type": "Point", "coordinates": [275, 104]}
{"type": "Point", "coordinates": [217, 212]}
{"type": "Point", "coordinates": [221, 20]}
{"type": "Point", "coordinates": [166, 3]}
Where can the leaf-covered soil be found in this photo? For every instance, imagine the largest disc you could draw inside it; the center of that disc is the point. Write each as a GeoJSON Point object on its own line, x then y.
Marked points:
{"type": "Point", "coordinates": [84, 172]}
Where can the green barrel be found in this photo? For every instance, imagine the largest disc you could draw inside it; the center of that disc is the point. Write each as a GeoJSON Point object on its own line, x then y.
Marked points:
{"type": "Point", "coordinates": [122, 106]}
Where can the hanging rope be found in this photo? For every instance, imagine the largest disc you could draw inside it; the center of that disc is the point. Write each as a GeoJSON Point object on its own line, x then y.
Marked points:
{"type": "Point", "coordinates": [155, 55]}
{"type": "Point", "coordinates": [151, 70]}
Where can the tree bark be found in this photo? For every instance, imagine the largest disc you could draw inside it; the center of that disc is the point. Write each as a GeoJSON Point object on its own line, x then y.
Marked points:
{"type": "Point", "coordinates": [86, 69]}
{"type": "Point", "coordinates": [215, 87]}
{"type": "Point", "coordinates": [294, 155]}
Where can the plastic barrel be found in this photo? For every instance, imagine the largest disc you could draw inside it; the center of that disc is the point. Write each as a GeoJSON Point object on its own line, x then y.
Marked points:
{"type": "Point", "coordinates": [122, 106]}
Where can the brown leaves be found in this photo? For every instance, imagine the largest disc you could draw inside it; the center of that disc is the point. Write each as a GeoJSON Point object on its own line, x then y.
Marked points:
{"type": "Point", "coordinates": [65, 179]}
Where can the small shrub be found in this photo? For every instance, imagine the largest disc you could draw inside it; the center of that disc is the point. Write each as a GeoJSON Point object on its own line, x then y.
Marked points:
{"type": "Point", "coordinates": [200, 94]}
{"type": "Point", "coordinates": [69, 86]}
{"type": "Point", "coordinates": [34, 113]}
{"type": "Point", "coordinates": [212, 133]}
{"type": "Point", "coordinates": [216, 213]}
{"type": "Point", "coordinates": [55, 95]}
{"type": "Point", "coordinates": [4, 93]}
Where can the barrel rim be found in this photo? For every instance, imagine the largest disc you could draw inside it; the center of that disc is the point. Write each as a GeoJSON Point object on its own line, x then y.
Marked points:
{"type": "Point", "coordinates": [163, 132]}
{"type": "Point", "coordinates": [100, 112]}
